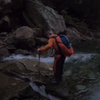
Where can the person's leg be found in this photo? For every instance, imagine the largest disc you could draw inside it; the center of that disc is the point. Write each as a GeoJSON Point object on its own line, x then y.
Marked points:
{"type": "Point", "coordinates": [58, 67]}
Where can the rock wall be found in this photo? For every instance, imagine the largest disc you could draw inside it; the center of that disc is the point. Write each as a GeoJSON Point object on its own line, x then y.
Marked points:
{"type": "Point", "coordinates": [24, 23]}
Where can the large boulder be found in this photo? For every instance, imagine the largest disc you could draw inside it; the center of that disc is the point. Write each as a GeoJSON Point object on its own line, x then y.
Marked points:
{"type": "Point", "coordinates": [22, 37]}
{"type": "Point", "coordinates": [44, 17]}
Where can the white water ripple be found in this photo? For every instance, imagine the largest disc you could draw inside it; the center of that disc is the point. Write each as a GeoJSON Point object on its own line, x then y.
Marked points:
{"type": "Point", "coordinates": [41, 90]}
{"type": "Point", "coordinates": [79, 57]}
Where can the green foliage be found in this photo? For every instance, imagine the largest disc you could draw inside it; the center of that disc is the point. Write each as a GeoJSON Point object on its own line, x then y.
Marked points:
{"type": "Point", "coordinates": [79, 1]}
{"type": "Point", "coordinates": [65, 15]}
{"type": "Point", "coordinates": [68, 17]}
{"type": "Point", "coordinates": [87, 11]}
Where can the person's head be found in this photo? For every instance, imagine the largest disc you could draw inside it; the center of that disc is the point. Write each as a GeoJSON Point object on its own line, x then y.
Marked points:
{"type": "Point", "coordinates": [49, 33]}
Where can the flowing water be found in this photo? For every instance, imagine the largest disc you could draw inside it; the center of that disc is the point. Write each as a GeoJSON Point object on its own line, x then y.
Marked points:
{"type": "Point", "coordinates": [42, 91]}
{"type": "Point", "coordinates": [82, 71]}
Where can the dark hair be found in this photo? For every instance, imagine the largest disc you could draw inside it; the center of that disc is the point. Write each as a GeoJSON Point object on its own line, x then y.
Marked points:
{"type": "Point", "coordinates": [63, 32]}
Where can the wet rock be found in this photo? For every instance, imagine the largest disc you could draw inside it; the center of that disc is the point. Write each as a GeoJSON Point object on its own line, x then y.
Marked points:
{"type": "Point", "coordinates": [24, 34]}
{"type": "Point", "coordinates": [61, 90]}
{"type": "Point", "coordinates": [29, 94]}
{"type": "Point", "coordinates": [23, 52]}
{"type": "Point", "coordinates": [68, 73]}
{"type": "Point", "coordinates": [35, 65]}
{"type": "Point", "coordinates": [31, 70]}
{"type": "Point", "coordinates": [9, 86]}
{"type": "Point", "coordinates": [29, 66]}
{"type": "Point", "coordinates": [23, 38]}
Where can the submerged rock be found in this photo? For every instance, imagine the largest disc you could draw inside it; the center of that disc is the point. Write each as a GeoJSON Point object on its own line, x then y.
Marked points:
{"type": "Point", "coordinates": [68, 73]}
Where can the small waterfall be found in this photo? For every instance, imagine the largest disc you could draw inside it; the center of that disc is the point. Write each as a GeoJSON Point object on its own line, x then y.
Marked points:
{"type": "Point", "coordinates": [42, 91]}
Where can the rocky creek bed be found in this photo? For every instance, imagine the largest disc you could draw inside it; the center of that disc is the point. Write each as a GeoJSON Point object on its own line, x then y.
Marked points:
{"type": "Point", "coordinates": [17, 75]}
{"type": "Point", "coordinates": [81, 70]}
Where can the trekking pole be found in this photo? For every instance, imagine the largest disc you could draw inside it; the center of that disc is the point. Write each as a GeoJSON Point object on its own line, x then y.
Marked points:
{"type": "Point", "coordinates": [39, 64]}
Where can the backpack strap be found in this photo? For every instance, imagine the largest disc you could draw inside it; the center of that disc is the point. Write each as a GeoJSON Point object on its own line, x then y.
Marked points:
{"type": "Point", "coordinates": [54, 37]}
{"type": "Point", "coordinates": [63, 49]}
{"type": "Point", "coordinates": [58, 52]}
{"type": "Point", "coordinates": [65, 37]}
{"type": "Point", "coordinates": [68, 40]}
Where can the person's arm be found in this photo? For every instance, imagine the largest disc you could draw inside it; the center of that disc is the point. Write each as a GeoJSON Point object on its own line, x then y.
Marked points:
{"type": "Point", "coordinates": [48, 46]}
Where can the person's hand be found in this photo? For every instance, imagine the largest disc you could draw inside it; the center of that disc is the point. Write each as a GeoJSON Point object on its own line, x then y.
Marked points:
{"type": "Point", "coordinates": [38, 50]}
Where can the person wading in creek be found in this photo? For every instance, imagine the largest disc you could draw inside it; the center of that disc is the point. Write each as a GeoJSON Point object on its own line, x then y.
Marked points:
{"type": "Point", "coordinates": [59, 57]}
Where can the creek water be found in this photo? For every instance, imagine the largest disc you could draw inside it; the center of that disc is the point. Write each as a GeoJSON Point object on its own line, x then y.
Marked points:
{"type": "Point", "coordinates": [42, 91]}
{"type": "Point", "coordinates": [82, 70]}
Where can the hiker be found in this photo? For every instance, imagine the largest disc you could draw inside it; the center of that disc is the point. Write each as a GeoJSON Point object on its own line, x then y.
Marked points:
{"type": "Point", "coordinates": [59, 58]}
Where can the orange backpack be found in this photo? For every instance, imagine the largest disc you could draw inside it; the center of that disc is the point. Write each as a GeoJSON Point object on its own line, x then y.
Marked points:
{"type": "Point", "coordinates": [64, 45]}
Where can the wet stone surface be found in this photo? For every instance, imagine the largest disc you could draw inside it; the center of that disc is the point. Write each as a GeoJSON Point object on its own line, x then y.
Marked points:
{"type": "Point", "coordinates": [10, 86]}
{"type": "Point", "coordinates": [26, 71]}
